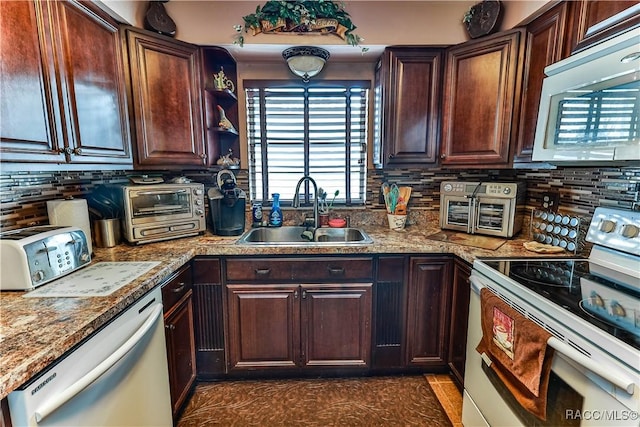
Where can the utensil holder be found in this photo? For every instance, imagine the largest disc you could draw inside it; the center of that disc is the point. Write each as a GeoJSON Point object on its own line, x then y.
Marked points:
{"type": "Point", "coordinates": [106, 232]}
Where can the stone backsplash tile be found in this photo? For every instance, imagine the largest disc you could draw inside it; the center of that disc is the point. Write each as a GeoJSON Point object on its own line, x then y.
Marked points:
{"type": "Point", "coordinates": [23, 195]}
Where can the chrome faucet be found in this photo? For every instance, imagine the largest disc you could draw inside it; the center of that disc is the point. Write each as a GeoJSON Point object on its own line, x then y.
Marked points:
{"type": "Point", "coordinates": [296, 199]}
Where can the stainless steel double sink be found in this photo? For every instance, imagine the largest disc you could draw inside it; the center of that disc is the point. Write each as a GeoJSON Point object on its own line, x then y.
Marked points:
{"type": "Point", "coordinates": [295, 236]}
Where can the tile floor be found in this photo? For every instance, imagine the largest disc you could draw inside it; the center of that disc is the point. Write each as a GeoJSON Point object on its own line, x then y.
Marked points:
{"type": "Point", "coordinates": [449, 396]}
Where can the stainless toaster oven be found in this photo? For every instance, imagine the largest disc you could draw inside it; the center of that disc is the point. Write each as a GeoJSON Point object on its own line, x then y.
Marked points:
{"type": "Point", "coordinates": [491, 208]}
{"type": "Point", "coordinates": [158, 212]}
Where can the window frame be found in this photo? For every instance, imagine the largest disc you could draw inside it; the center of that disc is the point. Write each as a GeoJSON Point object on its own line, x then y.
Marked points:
{"type": "Point", "coordinates": [306, 190]}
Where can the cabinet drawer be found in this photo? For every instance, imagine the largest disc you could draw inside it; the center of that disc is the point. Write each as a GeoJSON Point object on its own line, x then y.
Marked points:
{"type": "Point", "coordinates": [176, 287]}
{"type": "Point", "coordinates": [300, 269]}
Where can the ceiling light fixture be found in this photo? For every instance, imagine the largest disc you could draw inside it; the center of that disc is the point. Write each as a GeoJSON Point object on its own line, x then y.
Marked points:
{"type": "Point", "coordinates": [305, 61]}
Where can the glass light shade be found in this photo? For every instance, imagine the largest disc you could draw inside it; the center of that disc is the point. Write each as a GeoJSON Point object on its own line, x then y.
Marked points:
{"type": "Point", "coordinates": [305, 61]}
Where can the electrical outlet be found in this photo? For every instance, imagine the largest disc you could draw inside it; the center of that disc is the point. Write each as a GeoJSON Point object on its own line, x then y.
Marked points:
{"type": "Point", "coordinates": [550, 201]}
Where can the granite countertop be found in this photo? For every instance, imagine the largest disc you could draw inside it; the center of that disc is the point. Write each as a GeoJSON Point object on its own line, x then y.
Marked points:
{"type": "Point", "coordinates": [34, 332]}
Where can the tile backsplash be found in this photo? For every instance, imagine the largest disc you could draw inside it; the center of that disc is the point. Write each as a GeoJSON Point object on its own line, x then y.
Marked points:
{"type": "Point", "coordinates": [23, 195]}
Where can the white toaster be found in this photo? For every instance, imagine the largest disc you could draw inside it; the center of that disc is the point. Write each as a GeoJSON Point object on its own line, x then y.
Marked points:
{"type": "Point", "coordinates": [30, 257]}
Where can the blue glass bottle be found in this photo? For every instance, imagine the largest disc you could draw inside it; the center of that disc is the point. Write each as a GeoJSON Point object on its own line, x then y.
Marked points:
{"type": "Point", "coordinates": [275, 217]}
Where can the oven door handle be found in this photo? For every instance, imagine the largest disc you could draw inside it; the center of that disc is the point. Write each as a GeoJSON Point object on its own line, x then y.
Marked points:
{"type": "Point", "coordinates": [607, 372]}
{"type": "Point", "coordinates": [601, 369]}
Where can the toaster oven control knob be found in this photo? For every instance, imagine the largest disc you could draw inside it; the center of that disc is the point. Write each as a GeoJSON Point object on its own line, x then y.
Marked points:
{"type": "Point", "coordinates": [630, 231]}
{"type": "Point", "coordinates": [448, 187]}
{"type": "Point", "coordinates": [199, 212]}
{"type": "Point", "coordinates": [38, 276]}
{"type": "Point", "coordinates": [506, 190]}
{"type": "Point", "coordinates": [198, 192]}
{"type": "Point", "coordinates": [199, 202]}
{"type": "Point", "coordinates": [607, 226]}
{"type": "Point", "coordinates": [84, 257]}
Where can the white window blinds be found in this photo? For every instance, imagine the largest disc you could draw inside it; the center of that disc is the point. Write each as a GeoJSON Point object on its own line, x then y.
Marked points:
{"type": "Point", "coordinates": [317, 130]}
{"type": "Point", "coordinates": [600, 117]}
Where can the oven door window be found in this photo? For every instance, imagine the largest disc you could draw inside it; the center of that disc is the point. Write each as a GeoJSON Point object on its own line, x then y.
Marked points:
{"type": "Point", "coordinates": [145, 204]}
{"type": "Point", "coordinates": [458, 212]}
{"type": "Point", "coordinates": [561, 400]}
{"type": "Point", "coordinates": [491, 216]}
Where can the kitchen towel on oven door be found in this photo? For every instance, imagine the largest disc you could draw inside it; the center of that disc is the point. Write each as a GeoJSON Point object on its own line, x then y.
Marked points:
{"type": "Point", "coordinates": [518, 351]}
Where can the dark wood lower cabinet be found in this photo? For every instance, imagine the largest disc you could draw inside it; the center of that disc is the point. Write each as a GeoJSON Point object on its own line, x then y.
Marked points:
{"type": "Point", "coordinates": [459, 319]}
{"type": "Point", "coordinates": [209, 317]}
{"type": "Point", "coordinates": [428, 307]}
{"type": "Point", "coordinates": [320, 315]}
{"type": "Point", "coordinates": [284, 326]}
{"type": "Point", "coordinates": [389, 313]}
{"type": "Point", "coordinates": [179, 327]}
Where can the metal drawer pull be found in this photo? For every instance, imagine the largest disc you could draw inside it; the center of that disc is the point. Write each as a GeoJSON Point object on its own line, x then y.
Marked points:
{"type": "Point", "coordinates": [179, 288]}
{"type": "Point", "coordinates": [336, 271]}
{"type": "Point", "coordinates": [262, 271]}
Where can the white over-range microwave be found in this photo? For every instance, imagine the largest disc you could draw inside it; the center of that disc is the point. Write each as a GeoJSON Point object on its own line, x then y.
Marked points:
{"type": "Point", "coordinates": [590, 106]}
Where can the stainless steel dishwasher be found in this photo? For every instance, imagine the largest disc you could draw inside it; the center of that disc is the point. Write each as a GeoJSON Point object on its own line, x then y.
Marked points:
{"type": "Point", "coordinates": [117, 377]}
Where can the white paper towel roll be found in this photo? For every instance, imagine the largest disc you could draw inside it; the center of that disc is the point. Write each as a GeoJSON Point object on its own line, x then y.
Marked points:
{"type": "Point", "coordinates": [71, 212]}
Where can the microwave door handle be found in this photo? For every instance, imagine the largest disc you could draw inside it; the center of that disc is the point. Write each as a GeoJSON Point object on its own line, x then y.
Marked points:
{"type": "Point", "coordinates": [153, 193]}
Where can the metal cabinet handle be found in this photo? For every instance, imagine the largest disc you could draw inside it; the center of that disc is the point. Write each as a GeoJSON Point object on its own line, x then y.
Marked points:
{"type": "Point", "coordinates": [262, 271]}
{"type": "Point", "coordinates": [178, 288]}
{"type": "Point", "coordinates": [336, 271]}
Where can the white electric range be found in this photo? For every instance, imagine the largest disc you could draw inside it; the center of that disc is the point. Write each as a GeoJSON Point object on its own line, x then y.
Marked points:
{"type": "Point", "coordinates": [592, 309]}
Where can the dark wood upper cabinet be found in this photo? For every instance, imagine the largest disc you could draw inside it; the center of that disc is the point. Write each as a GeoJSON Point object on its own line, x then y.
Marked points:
{"type": "Point", "coordinates": [63, 85]}
{"type": "Point", "coordinates": [482, 86]}
{"type": "Point", "coordinates": [167, 103]}
{"type": "Point", "coordinates": [546, 41]}
{"type": "Point", "coordinates": [408, 99]}
{"type": "Point", "coordinates": [593, 21]}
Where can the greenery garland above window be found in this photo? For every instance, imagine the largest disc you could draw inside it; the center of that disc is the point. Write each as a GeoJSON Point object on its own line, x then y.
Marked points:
{"type": "Point", "coordinates": [300, 16]}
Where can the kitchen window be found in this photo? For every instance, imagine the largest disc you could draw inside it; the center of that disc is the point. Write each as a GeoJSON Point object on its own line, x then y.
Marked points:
{"type": "Point", "coordinates": [316, 129]}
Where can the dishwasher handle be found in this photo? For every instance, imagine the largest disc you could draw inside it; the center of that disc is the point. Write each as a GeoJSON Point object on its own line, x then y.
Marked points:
{"type": "Point", "coordinates": [52, 405]}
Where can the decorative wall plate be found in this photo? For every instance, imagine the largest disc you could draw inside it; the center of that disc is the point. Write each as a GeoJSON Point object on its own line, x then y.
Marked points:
{"type": "Point", "coordinates": [483, 18]}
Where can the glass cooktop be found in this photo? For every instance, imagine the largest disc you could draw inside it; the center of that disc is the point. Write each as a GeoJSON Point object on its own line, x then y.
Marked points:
{"type": "Point", "coordinates": [610, 306]}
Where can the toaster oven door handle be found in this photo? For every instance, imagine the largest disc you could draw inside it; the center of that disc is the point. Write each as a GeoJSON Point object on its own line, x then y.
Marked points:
{"type": "Point", "coordinates": [153, 193]}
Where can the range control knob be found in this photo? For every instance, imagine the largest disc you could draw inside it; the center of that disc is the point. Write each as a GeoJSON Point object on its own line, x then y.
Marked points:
{"type": "Point", "coordinates": [629, 231]}
{"type": "Point", "coordinates": [607, 226]}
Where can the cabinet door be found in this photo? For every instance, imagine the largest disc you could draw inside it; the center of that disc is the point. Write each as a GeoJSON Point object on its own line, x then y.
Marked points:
{"type": "Point", "coordinates": [545, 44]}
{"type": "Point", "coordinates": [481, 101]}
{"type": "Point", "coordinates": [30, 112]}
{"type": "Point", "coordinates": [598, 20]}
{"type": "Point", "coordinates": [389, 313]}
{"type": "Point", "coordinates": [459, 319]}
{"type": "Point", "coordinates": [180, 351]}
{"type": "Point", "coordinates": [93, 85]}
{"type": "Point", "coordinates": [264, 326]}
{"type": "Point", "coordinates": [209, 315]}
{"type": "Point", "coordinates": [410, 81]}
{"type": "Point", "coordinates": [336, 324]}
{"type": "Point", "coordinates": [166, 100]}
{"type": "Point", "coordinates": [428, 303]}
